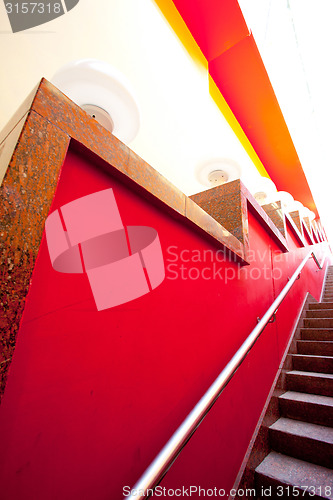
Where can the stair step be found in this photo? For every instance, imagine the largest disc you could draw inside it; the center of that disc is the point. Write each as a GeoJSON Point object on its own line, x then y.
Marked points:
{"type": "Point", "coordinates": [310, 382]}
{"type": "Point", "coordinates": [320, 305]}
{"type": "Point", "coordinates": [318, 322]}
{"type": "Point", "coordinates": [279, 471]}
{"type": "Point", "coordinates": [311, 363]}
{"type": "Point", "coordinates": [307, 407]}
{"type": "Point", "coordinates": [317, 334]}
{"type": "Point", "coordinates": [311, 442]}
{"type": "Point", "coordinates": [310, 347]}
{"type": "Point", "coordinates": [319, 313]}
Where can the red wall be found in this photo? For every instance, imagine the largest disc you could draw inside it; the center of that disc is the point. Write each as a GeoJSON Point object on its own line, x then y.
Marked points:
{"type": "Point", "coordinates": [92, 396]}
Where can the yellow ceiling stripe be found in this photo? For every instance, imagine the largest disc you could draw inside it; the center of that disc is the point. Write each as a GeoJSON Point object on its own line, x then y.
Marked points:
{"type": "Point", "coordinates": [179, 27]}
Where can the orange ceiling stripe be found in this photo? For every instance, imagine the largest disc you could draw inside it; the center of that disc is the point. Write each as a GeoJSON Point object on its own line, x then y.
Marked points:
{"type": "Point", "coordinates": [177, 23]}
{"type": "Point", "coordinates": [242, 79]}
{"type": "Point", "coordinates": [234, 124]}
{"type": "Point", "coordinates": [234, 63]}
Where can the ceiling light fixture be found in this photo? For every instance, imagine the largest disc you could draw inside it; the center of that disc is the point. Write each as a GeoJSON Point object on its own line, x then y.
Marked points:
{"type": "Point", "coordinates": [217, 172]}
{"type": "Point", "coordinates": [104, 93]}
{"type": "Point", "coordinates": [286, 200]}
{"type": "Point", "coordinates": [265, 191]}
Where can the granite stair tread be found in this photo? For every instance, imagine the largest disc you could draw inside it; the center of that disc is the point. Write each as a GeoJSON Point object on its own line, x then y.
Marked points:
{"type": "Point", "coordinates": [326, 343]}
{"type": "Point", "coordinates": [312, 356]}
{"type": "Point", "coordinates": [307, 398]}
{"type": "Point", "coordinates": [285, 471]}
{"type": "Point", "coordinates": [313, 363]}
{"type": "Point", "coordinates": [315, 348]}
{"type": "Point", "coordinates": [320, 305]}
{"type": "Point", "coordinates": [319, 313]}
{"type": "Point", "coordinates": [317, 334]}
{"type": "Point", "coordinates": [318, 322]}
{"type": "Point", "coordinates": [312, 408]}
{"type": "Point", "coordinates": [310, 374]}
{"type": "Point", "coordinates": [304, 440]}
{"type": "Point", "coordinates": [311, 382]}
{"type": "Point", "coordinates": [304, 429]}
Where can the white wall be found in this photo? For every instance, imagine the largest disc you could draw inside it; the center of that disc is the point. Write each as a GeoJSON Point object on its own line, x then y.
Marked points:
{"type": "Point", "coordinates": [181, 125]}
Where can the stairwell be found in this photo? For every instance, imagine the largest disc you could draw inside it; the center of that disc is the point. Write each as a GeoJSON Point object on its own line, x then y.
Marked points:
{"type": "Point", "coordinates": [301, 459]}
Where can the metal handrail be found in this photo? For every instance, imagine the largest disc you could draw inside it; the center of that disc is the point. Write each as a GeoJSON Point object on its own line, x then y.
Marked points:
{"type": "Point", "coordinates": [164, 460]}
{"type": "Point", "coordinates": [317, 261]}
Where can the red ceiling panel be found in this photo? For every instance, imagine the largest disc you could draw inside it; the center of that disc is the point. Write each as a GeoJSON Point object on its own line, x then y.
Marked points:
{"type": "Point", "coordinates": [242, 79]}
{"type": "Point", "coordinates": [216, 25]}
{"type": "Point", "coordinates": [234, 62]}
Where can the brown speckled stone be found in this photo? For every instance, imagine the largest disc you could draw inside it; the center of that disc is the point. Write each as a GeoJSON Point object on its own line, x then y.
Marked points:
{"type": "Point", "coordinates": [225, 203]}
{"type": "Point", "coordinates": [210, 225]}
{"type": "Point", "coordinates": [25, 197]}
{"type": "Point", "coordinates": [229, 205]}
{"type": "Point", "coordinates": [265, 220]}
{"type": "Point", "coordinates": [21, 111]}
{"type": "Point", "coordinates": [151, 180]}
{"type": "Point", "coordinates": [307, 223]}
{"type": "Point", "coordinates": [307, 230]}
{"type": "Point", "coordinates": [53, 122]}
{"type": "Point", "coordinates": [321, 230]}
{"type": "Point", "coordinates": [315, 231]}
{"type": "Point", "coordinates": [275, 213]}
{"type": "Point", "coordinates": [8, 146]}
{"type": "Point", "coordinates": [296, 217]}
{"type": "Point", "coordinates": [4, 365]}
{"type": "Point", "coordinates": [299, 236]}
{"type": "Point", "coordinates": [65, 114]}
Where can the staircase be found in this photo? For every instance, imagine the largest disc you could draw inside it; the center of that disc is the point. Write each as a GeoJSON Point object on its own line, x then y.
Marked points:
{"type": "Point", "coordinates": [301, 461]}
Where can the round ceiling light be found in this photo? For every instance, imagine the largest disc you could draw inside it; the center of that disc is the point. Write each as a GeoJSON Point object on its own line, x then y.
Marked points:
{"type": "Point", "coordinates": [297, 206]}
{"type": "Point", "coordinates": [265, 191]}
{"type": "Point", "coordinates": [286, 200]}
{"type": "Point", "coordinates": [104, 93]}
{"type": "Point", "coordinates": [308, 213]}
{"type": "Point", "coordinates": [217, 172]}
{"type": "Point", "coordinates": [303, 211]}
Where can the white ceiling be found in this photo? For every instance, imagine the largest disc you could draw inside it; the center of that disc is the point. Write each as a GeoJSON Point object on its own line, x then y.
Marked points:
{"type": "Point", "coordinates": [295, 41]}
{"type": "Point", "coordinates": [181, 126]}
